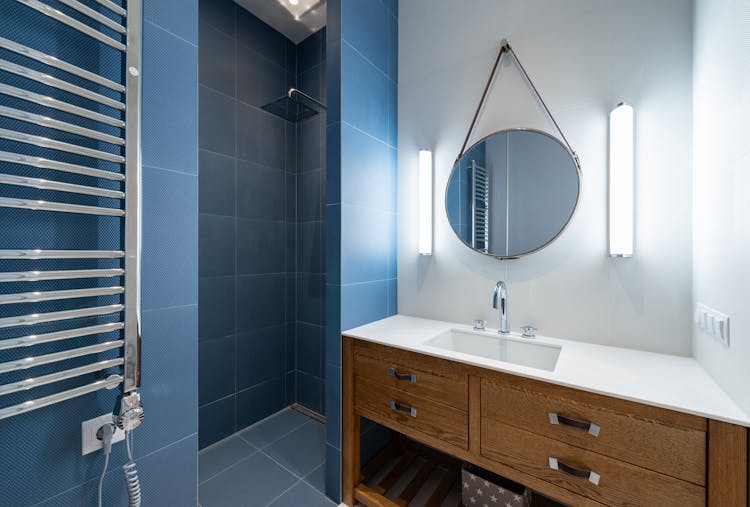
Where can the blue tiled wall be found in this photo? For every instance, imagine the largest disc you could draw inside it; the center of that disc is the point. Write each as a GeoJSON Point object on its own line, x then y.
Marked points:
{"type": "Point", "coordinates": [362, 59]}
{"type": "Point", "coordinates": [310, 348]}
{"type": "Point", "coordinates": [40, 456]}
{"type": "Point", "coordinates": [247, 222]}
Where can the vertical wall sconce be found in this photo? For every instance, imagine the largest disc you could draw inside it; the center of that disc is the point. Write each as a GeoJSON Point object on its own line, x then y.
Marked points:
{"type": "Point", "coordinates": [621, 171]}
{"type": "Point", "coordinates": [425, 202]}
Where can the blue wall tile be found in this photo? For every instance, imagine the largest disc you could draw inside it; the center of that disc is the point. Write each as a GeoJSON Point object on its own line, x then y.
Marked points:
{"type": "Point", "coordinates": [216, 377]}
{"type": "Point", "coordinates": [259, 401]}
{"type": "Point", "coordinates": [217, 60]}
{"type": "Point", "coordinates": [365, 25]}
{"type": "Point", "coordinates": [366, 171]}
{"type": "Point", "coordinates": [170, 86]}
{"type": "Point", "coordinates": [365, 93]}
{"type": "Point", "coordinates": [168, 376]}
{"type": "Point", "coordinates": [217, 118]}
{"type": "Point", "coordinates": [366, 237]}
{"type": "Point", "coordinates": [162, 13]}
{"type": "Point", "coordinates": [216, 252]}
{"type": "Point", "coordinates": [362, 303]}
{"type": "Point", "coordinates": [260, 356]}
{"type": "Point", "coordinates": [216, 183]}
{"type": "Point", "coordinates": [216, 306]}
{"type": "Point", "coordinates": [218, 14]}
{"type": "Point", "coordinates": [166, 234]}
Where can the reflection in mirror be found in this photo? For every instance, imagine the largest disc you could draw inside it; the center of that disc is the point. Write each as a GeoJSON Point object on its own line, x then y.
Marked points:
{"type": "Point", "coordinates": [512, 193]}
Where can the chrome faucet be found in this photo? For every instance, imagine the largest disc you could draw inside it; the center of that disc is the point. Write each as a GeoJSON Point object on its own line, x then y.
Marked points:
{"type": "Point", "coordinates": [500, 300]}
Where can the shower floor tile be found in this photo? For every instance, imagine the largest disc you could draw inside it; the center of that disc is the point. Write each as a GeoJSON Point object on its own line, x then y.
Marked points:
{"type": "Point", "coordinates": [277, 462]}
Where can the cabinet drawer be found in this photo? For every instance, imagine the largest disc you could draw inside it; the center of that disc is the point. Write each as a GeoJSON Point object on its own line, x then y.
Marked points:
{"type": "Point", "coordinates": [567, 466]}
{"type": "Point", "coordinates": [407, 413]}
{"type": "Point", "coordinates": [423, 376]}
{"type": "Point", "coordinates": [642, 441]}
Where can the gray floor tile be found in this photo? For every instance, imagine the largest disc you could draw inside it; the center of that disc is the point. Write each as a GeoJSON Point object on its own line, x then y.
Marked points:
{"type": "Point", "coordinates": [253, 482]}
{"type": "Point", "coordinates": [272, 429]}
{"type": "Point", "coordinates": [302, 494]}
{"type": "Point", "coordinates": [301, 451]}
{"type": "Point", "coordinates": [317, 478]}
{"type": "Point", "coordinates": [221, 456]}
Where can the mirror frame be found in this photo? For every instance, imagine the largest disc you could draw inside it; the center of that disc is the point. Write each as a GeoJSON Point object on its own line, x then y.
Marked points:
{"type": "Point", "coordinates": [573, 158]}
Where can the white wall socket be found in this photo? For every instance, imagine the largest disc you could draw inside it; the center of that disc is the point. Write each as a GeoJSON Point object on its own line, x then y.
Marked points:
{"type": "Point", "coordinates": [713, 323]}
{"type": "Point", "coordinates": [89, 442]}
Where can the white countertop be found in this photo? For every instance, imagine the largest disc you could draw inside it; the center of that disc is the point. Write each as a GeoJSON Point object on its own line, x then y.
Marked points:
{"type": "Point", "coordinates": [672, 382]}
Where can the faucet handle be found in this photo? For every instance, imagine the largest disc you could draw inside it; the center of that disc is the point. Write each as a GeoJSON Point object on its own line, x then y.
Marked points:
{"type": "Point", "coordinates": [479, 324]}
{"type": "Point", "coordinates": [529, 331]}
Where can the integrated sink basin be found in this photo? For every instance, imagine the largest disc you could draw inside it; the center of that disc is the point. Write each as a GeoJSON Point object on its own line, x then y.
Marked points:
{"type": "Point", "coordinates": [499, 348]}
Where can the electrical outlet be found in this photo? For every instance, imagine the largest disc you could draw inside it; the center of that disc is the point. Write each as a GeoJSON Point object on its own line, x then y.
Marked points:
{"type": "Point", "coordinates": [713, 323]}
{"type": "Point", "coordinates": [89, 441]}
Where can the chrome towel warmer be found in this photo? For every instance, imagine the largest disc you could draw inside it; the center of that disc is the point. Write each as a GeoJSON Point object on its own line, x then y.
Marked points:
{"type": "Point", "coordinates": [97, 25]}
{"type": "Point", "coordinates": [480, 208]}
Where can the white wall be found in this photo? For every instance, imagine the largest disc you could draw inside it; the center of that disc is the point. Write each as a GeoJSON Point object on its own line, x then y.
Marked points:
{"type": "Point", "coordinates": [721, 246]}
{"type": "Point", "coordinates": [584, 56]}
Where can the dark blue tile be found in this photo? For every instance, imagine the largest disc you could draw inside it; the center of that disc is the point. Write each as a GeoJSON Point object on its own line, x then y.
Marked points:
{"type": "Point", "coordinates": [333, 325]}
{"type": "Point", "coordinates": [364, 94]}
{"type": "Point", "coordinates": [272, 429]}
{"type": "Point", "coordinates": [333, 405]}
{"type": "Point", "coordinates": [216, 245]}
{"type": "Point", "coordinates": [311, 51]}
{"type": "Point", "coordinates": [302, 494]}
{"type": "Point", "coordinates": [333, 82]}
{"type": "Point", "coordinates": [170, 114]}
{"type": "Point", "coordinates": [260, 356]}
{"type": "Point", "coordinates": [260, 301]}
{"type": "Point", "coordinates": [217, 129]}
{"type": "Point", "coordinates": [215, 369]}
{"type": "Point", "coordinates": [333, 473]}
{"type": "Point", "coordinates": [366, 242]}
{"type": "Point", "coordinates": [290, 213]}
{"type": "Point", "coordinates": [332, 246]}
{"type": "Point", "coordinates": [333, 164]}
{"type": "Point", "coordinates": [309, 392]}
{"type": "Point", "coordinates": [310, 292]}
{"type": "Point", "coordinates": [392, 138]}
{"type": "Point", "coordinates": [260, 192]}
{"type": "Point", "coordinates": [259, 402]}
{"type": "Point", "coordinates": [170, 239]}
{"type": "Point", "coordinates": [260, 246]}
{"type": "Point", "coordinates": [311, 82]}
{"type": "Point", "coordinates": [367, 178]}
{"type": "Point", "coordinates": [176, 465]}
{"type": "Point", "coordinates": [169, 377]}
{"type": "Point", "coordinates": [259, 81]}
{"type": "Point", "coordinates": [309, 142]}
{"type": "Point", "coordinates": [216, 181]}
{"type": "Point", "coordinates": [317, 478]}
{"type": "Point", "coordinates": [260, 137]}
{"type": "Point", "coordinates": [302, 450]}
{"type": "Point", "coordinates": [252, 482]}
{"type": "Point", "coordinates": [255, 34]}
{"type": "Point", "coordinates": [221, 456]}
{"type": "Point", "coordinates": [216, 69]}
{"type": "Point", "coordinates": [365, 25]}
{"type": "Point", "coordinates": [215, 421]}
{"type": "Point", "coordinates": [310, 247]}
{"type": "Point", "coordinates": [363, 303]}
{"type": "Point", "coordinates": [309, 349]}
{"type": "Point", "coordinates": [393, 8]}
{"type": "Point", "coordinates": [216, 307]}
{"type": "Point", "coordinates": [290, 157]}
{"type": "Point", "coordinates": [218, 13]}
{"type": "Point", "coordinates": [310, 198]}
{"type": "Point", "coordinates": [290, 387]}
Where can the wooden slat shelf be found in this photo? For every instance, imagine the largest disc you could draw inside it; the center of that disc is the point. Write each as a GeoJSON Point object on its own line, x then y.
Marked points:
{"type": "Point", "coordinates": [383, 477]}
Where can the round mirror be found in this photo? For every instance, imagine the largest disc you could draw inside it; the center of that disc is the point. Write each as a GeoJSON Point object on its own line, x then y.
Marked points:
{"type": "Point", "coordinates": [512, 193]}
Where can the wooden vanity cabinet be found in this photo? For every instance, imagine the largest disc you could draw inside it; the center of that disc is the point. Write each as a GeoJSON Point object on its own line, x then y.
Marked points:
{"type": "Point", "coordinates": [574, 446]}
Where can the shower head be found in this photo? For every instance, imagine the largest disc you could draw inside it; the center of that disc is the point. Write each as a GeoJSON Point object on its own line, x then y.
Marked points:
{"type": "Point", "coordinates": [291, 108]}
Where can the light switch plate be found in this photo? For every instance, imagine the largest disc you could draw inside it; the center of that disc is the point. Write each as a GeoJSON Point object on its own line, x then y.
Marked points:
{"type": "Point", "coordinates": [89, 442]}
{"type": "Point", "coordinates": [712, 323]}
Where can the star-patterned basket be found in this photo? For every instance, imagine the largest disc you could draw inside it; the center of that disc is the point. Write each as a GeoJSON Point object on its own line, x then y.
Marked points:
{"type": "Point", "coordinates": [480, 488]}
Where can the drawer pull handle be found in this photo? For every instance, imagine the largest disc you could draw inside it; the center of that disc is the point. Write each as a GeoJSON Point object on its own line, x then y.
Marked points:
{"type": "Point", "coordinates": [403, 376]}
{"type": "Point", "coordinates": [589, 475]}
{"type": "Point", "coordinates": [403, 408]}
{"type": "Point", "coordinates": [589, 427]}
